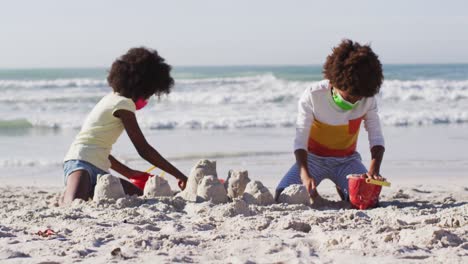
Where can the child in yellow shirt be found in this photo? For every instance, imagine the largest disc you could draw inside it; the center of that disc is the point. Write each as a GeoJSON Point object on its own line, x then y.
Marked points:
{"type": "Point", "coordinates": [134, 78]}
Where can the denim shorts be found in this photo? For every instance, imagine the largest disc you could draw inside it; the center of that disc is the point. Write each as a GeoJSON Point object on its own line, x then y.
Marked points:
{"type": "Point", "coordinates": [71, 166]}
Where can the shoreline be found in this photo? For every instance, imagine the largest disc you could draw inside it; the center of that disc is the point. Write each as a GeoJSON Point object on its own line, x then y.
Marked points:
{"type": "Point", "coordinates": [414, 154]}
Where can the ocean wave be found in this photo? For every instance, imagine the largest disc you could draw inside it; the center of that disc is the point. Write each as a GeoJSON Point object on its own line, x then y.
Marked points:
{"type": "Point", "coordinates": [220, 81]}
{"type": "Point", "coordinates": [261, 101]}
{"type": "Point", "coordinates": [396, 118]}
{"type": "Point", "coordinates": [99, 83]}
{"type": "Point", "coordinates": [423, 118]}
{"type": "Point", "coordinates": [16, 163]}
{"type": "Point", "coordinates": [56, 83]}
{"type": "Point", "coordinates": [268, 89]}
{"type": "Point", "coordinates": [264, 88]}
{"type": "Point", "coordinates": [238, 90]}
{"type": "Point", "coordinates": [49, 100]}
{"type": "Point", "coordinates": [21, 123]}
{"type": "Point", "coordinates": [424, 90]}
{"type": "Point", "coordinates": [218, 124]}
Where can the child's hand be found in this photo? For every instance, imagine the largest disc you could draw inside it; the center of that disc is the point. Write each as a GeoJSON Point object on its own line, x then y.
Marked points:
{"type": "Point", "coordinates": [182, 183]}
{"type": "Point", "coordinates": [311, 186]}
{"type": "Point", "coordinates": [374, 176]}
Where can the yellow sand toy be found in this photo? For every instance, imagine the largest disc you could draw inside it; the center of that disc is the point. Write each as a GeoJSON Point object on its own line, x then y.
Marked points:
{"type": "Point", "coordinates": [377, 182]}
{"type": "Point", "coordinates": [152, 168]}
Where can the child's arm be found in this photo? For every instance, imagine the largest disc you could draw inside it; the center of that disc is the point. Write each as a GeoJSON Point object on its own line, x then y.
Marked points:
{"type": "Point", "coordinates": [376, 141]}
{"type": "Point", "coordinates": [145, 150]}
{"type": "Point", "coordinates": [377, 153]}
{"type": "Point", "coordinates": [307, 180]}
{"type": "Point", "coordinates": [122, 168]}
{"type": "Point", "coordinates": [305, 117]}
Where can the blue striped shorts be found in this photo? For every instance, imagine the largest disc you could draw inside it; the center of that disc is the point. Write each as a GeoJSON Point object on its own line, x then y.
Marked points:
{"type": "Point", "coordinates": [334, 168]}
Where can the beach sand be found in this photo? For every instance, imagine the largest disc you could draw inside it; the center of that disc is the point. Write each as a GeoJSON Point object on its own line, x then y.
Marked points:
{"type": "Point", "coordinates": [414, 224]}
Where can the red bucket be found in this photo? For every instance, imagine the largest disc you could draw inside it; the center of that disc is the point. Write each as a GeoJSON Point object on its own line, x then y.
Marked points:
{"type": "Point", "coordinates": [362, 195]}
{"type": "Point", "coordinates": [140, 181]}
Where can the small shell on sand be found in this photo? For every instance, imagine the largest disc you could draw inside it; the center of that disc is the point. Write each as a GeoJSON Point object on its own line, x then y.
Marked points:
{"type": "Point", "coordinates": [201, 169]}
{"type": "Point", "coordinates": [157, 186]}
{"type": "Point", "coordinates": [256, 193]}
{"type": "Point", "coordinates": [295, 194]}
{"type": "Point", "coordinates": [236, 182]}
{"type": "Point", "coordinates": [210, 189]}
{"type": "Point", "coordinates": [108, 187]}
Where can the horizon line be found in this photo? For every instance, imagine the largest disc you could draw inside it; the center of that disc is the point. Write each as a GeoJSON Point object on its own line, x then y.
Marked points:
{"type": "Point", "coordinates": [223, 65]}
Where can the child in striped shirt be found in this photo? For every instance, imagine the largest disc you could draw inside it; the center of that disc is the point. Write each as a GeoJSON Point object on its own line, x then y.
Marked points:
{"type": "Point", "coordinates": [329, 119]}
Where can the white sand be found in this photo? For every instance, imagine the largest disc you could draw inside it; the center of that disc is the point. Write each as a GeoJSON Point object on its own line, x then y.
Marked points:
{"type": "Point", "coordinates": [415, 224]}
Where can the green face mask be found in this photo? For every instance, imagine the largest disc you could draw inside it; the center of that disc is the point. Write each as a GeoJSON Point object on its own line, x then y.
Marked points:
{"type": "Point", "coordinates": [342, 103]}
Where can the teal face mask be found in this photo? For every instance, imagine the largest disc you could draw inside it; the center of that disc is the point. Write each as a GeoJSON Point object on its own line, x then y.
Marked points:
{"type": "Point", "coordinates": [342, 103]}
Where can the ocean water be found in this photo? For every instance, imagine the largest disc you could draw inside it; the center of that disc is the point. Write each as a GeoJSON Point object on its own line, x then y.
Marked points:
{"type": "Point", "coordinates": [251, 107]}
{"type": "Point", "coordinates": [244, 97]}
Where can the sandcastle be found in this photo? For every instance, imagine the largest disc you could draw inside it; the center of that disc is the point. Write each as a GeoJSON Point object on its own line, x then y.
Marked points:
{"type": "Point", "coordinates": [203, 185]}
{"type": "Point", "coordinates": [157, 186]}
{"type": "Point", "coordinates": [210, 189]}
{"type": "Point", "coordinates": [295, 194]}
{"type": "Point", "coordinates": [236, 182]}
{"type": "Point", "coordinates": [108, 187]}
{"type": "Point", "coordinates": [200, 189]}
{"type": "Point", "coordinates": [256, 193]}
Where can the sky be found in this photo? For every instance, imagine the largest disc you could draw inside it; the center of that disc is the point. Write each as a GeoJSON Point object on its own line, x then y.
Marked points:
{"type": "Point", "coordinates": [91, 33]}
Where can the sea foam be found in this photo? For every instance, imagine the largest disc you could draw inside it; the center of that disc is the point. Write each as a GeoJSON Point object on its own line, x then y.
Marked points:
{"type": "Point", "coordinates": [259, 101]}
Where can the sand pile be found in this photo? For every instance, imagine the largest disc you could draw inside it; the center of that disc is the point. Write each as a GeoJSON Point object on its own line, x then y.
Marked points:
{"type": "Point", "coordinates": [256, 193]}
{"type": "Point", "coordinates": [295, 194]}
{"type": "Point", "coordinates": [203, 184]}
{"type": "Point", "coordinates": [236, 182]}
{"type": "Point", "coordinates": [211, 189]}
{"type": "Point", "coordinates": [157, 186]}
{"type": "Point", "coordinates": [108, 187]}
{"type": "Point", "coordinates": [201, 169]}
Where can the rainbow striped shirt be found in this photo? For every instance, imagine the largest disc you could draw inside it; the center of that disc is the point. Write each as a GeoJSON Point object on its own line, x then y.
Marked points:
{"type": "Point", "coordinates": [326, 130]}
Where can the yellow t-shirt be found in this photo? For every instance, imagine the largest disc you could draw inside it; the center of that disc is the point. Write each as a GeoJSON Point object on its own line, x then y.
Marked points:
{"type": "Point", "coordinates": [100, 131]}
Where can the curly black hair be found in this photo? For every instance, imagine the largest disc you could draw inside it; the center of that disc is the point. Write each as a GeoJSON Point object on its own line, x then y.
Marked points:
{"type": "Point", "coordinates": [140, 73]}
{"type": "Point", "coordinates": [354, 68]}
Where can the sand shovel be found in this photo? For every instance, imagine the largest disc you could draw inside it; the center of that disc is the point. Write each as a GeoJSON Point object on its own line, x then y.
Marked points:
{"type": "Point", "coordinates": [179, 183]}
{"type": "Point", "coordinates": [377, 182]}
{"type": "Point", "coordinates": [154, 167]}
